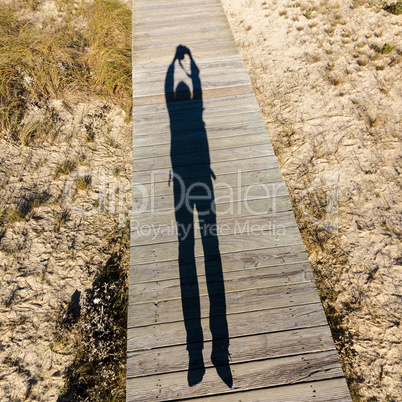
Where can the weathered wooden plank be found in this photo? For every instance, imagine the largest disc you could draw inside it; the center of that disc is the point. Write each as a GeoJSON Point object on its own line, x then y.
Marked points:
{"type": "Point", "coordinates": [199, 49]}
{"type": "Point", "coordinates": [230, 81]}
{"type": "Point", "coordinates": [216, 78]}
{"type": "Point", "coordinates": [226, 171]}
{"type": "Point", "coordinates": [145, 4]}
{"type": "Point", "coordinates": [197, 42]}
{"type": "Point", "coordinates": [212, 105]}
{"type": "Point", "coordinates": [162, 310]}
{"type": "Point", "coordinates": [168, 24]}
{"type": "Point", "coordinates": [220, 170]}
{"type": "Point", "coordinates": [225, 226]}
{"type": "Point", "coordinates": [222, 77]}
{"type": "Point", "coordinates": [240, 324]}
{"type": "Point", "coordinates": [260, 346]}
{"type": "Point", "coordinates": [156, 196]}
{"type": "Point", "coordinates": [155, 186]}
{"type": "Point", "coordinates": [150, 202]}
{"type": "Point", "coordinates": [271, 275]}
{"type": "Point", "coordinates": [161, 130]}
{"type": "Point", "coordinates": [159, 182]}
{"type": "Point", "coordinates": [246, 376]}
{"type": "Point", "coordinates": [212, 119]}
{"type": "Point", "coordinates": [319, 391]}
{"type": "Point", "coordinates": [247, 260]}
{"type": "Point", "coordinates": [144, 14]}
{"type": "Point", "coordinates": [196, 18]}
{"type": "Point", "coordinates": [223, 105]}
{"type": "Point", "coordinates": [195, 146]}
{"type": "Point", "coordinates": [160, 3]}
{"type": "Point", "coordinates": [173, 38]}
{"type": "Point", "coordinates": [204, 64]}
{"type": "Point", "coordinates": [205, 47]}
{"type": "Point", "coordinates": [208, 67]}
{"type": "Point", "coordinates": [211, 122]}
{"type": "Point", "coordinates": [165, 219]}
{"type": "Point", "coordinates": [239, 242]}
{"type": "Point", "coordinates": [252, 145]}
{"type": "Point", "coordinates": [218, 131]}
{"type": "Point", "coordinates": [208, 94]}
{"type": "Point", "coordinates": [160, 115]}
{"type": "Point", "coordinates": [154, 131]}
{"type": "Point", "coordinates": [186, 27]}
{"type": "Point", "coordinates": [227, 209]}
{"type": "Point", "coordinates": [170, 21]}
{"type": "Point", "coordinates": [254, 278]}
{"type": "Point", "coordinates": [191, 26]}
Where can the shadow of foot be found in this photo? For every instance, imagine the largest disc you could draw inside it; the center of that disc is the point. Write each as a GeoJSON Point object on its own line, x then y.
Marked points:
{"type": "Point", "coordinates": [220, 359]}
{"type": "Point", "coordinates": [196, 368]}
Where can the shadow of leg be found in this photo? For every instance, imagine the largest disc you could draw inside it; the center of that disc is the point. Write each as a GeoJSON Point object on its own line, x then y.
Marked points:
{"type": "Point", "coordinates": [219, 328]}
{"type": "Point", "coordinates": [216, 290]}
{"type": "Point", "coordinates": [192, 316]}
{"type": "Point", "coordinates": [196, 368]}
{"type": "Point", "coordinates": [192, 319]}
{"type": "Point", "coordinates": [220, 359]}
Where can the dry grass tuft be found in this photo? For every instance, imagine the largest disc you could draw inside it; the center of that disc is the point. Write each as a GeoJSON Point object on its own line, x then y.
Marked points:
{"type": "Point", "coordinates": [362, 61]}
{"type": "Point", "coordinates": [395, 8]}
{"type": "Point", "coordinates": [82, 183]}
{"type": "Point", "coordinates": [64, 168]}
{"type": "Point", "coordinates": [61, 220]}
{"type": "Point", "coordinates": [36, 64]}
{"type": "Point", "coordinates": [386, 48]}
{"type": "Point", "coordinates": [24, 206]}
{"type": "Point", "coordinates": [60, 61]}
{"type": "Point", "coordinates": [109, 57]}
{"type": "Point", "coordinates": [334, 80]}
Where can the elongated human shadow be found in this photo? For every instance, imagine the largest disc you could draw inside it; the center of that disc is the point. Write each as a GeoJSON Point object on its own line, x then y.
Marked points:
{"type": "Point", "coordinates": [193, 188]}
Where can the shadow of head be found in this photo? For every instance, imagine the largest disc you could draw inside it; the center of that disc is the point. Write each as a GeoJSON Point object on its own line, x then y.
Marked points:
{"type": "Point", "coordinates": [183, 91]}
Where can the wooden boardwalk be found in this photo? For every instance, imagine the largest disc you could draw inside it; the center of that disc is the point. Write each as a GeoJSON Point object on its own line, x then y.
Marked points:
{"type": "Point", "coordinates": [248, 282]}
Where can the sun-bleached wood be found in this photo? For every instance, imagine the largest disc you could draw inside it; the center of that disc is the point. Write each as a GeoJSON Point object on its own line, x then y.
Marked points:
{"type": "Point", "coordinates": [248, 376]}
{"type": "Point", "coordinates": [280, 343]}
{"type": "Point", "coordinates": [284, 343]}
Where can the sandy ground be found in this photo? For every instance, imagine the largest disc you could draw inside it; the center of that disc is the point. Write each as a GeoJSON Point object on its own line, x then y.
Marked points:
{"type": "Point", "coordinates": [57, 248]}
{"type": "Point", "coordinates": [63, 198]}
{"type": "Point", "coordinates": [331, 99]}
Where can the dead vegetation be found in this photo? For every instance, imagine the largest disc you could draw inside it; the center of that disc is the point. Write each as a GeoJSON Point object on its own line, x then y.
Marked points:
{"type": "Point", "coordinates": [82, 49]}
{"type": "Point", "coordinates": [395, 8]}
{"type": "Point", "coordinates": [99, 330]}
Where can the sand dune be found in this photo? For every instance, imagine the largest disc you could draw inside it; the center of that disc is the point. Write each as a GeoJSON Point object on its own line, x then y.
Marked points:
{"type": "Point", "coordinates": [330, 89]}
